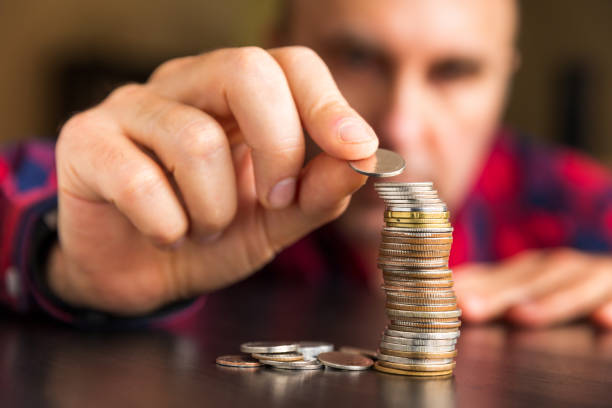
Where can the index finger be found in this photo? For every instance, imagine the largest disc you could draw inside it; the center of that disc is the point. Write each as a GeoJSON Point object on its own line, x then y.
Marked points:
{"type": "Point", "coordinates": [329, 120]}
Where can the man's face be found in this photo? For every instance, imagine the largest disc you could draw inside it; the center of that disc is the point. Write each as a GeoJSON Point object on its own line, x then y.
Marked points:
{"type": "Point", "coordinates": [429, 75]}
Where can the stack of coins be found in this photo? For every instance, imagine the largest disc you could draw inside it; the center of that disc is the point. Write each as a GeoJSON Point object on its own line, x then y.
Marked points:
{"type": "Point", "coordinates": [421, 306]}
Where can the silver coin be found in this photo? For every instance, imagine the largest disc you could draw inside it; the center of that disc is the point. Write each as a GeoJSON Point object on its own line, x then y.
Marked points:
{"type": "Point", "coordinates": [293, 356]}
{"type": "Point", "coordinates": [418, 342]}
{"type": "Point", "coordinates": [417, 349]}
{"type": "Point", "coordinates": [427, 315]}
{"type": "Point", "coordinates": [314, 348]}
{"type": "Point", "coordinates": [404, 184]}
{"type": "Point", "coordinates": [268, 347]}
{"type": "Point", "coordinates": [428, 336]}
{"type": "Point", "coordinates": [384, 163]}
{"type": "Point", "coordinates": [315, 365]}
{"type": "Point", "coordinates": [416, 361]}
{"type": "Point", "coordinates": [345, 361]}
{"type": "Point", "coordinates": [415, 230]}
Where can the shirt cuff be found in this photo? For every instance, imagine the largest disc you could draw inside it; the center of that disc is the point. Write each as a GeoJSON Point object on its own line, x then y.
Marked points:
{"type": "Point", "coordinates": [33, 244]}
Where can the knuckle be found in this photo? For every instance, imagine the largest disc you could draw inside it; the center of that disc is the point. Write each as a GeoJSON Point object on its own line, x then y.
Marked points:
{"type": "Point", "coordinates": [125, 92]}
{"type": "Point", "coordinates": [170, 68]}
{"type": "Point", "coordinates": [300, 54]}
{"type": "Point", "coordinates": [202, 138]}
{"type": "Point", "coordinates": [255, 61]}
{"type": "Point", "coordinates": [74, 132]}
{"type": "Point", "coordinates": [141, 182]}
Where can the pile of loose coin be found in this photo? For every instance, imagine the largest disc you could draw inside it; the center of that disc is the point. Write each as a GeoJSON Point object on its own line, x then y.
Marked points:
{"type": "Point", "coordinates": [420, 301]}
{"type": "Point", "coordinates": [304, 355]}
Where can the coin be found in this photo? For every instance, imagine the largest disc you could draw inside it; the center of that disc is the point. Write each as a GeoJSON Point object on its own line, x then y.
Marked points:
{"type": "Point", "coordinates": [293, 356]}
{"type": "Point", "coordinates": [420, 361]}
{"type": "Point", "coordinates": [314, 348]}
{"type": "Point", "coordinates": [418, 367]}
{"type": "Point", "coordinates": [268, 347]}
{"type": "Point", "coordinates": [411, 348]}
{"type": "Point", "coordinates": [420, 308]}
{"type": "Point", "coordinates": [415, 247]}
{"type": "Point", "coordinates": [415, 254]}
{"type": "Point", "coordinates": [416, 214]}
{"type": "Point", "coordinates": [309, 364]}
{"type": "Point", "coordinates": [357, 350]}
{"type": "Point", "coordinates": [422, 283]}
{"type": "Point", "coordinates": [426, 329]}
{"type": "Point", "coordinates": [396, 313]}
{"type": "Point", "coordinates": [444, 335]}
{"type": "Point", "coordinates": [388, 370]}
{"type": "Point", "coordinates": [417, 342]}
{"type": "Point", "coordinates": [238, 360]}
{"type": "Point", "coordinates": [293, 365]}
{"type": "Point", "coordinates": [418, 354]}
{"type": "Point", "coordinates": [345, 361]}
{"type": "Point", "coordinates": [384, 163]}
{"type": "Point", "coordinates": [416, 221]}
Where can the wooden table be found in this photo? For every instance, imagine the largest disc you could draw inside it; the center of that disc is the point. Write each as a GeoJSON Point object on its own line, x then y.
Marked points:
{"type": "Point", "coordinates": [45, 364]}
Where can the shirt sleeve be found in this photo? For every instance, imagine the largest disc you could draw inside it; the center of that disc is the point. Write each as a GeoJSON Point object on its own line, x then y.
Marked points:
{"type": "Point", "coordinates": [28, 193]}
{"type": "Point", "coordinates": [28, 221]}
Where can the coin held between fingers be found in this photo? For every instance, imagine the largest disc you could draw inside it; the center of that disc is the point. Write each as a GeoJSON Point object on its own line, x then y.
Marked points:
{"type": "Point", "coordinates": [384, 163]}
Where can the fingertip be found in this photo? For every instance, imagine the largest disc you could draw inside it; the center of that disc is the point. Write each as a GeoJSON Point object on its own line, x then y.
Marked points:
{"type": "Point", "coordinates": [357, 139]}
{"type": "Point", "coordinates": [473, 309]}
{"type": "Point", "coordinates": [603, 316]}
{"type": "Point", "coordinates": [528, 315]}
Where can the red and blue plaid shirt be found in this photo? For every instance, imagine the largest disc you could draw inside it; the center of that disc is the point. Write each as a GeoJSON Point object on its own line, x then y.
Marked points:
{"type": "Point", "coordinates": [527, 196]}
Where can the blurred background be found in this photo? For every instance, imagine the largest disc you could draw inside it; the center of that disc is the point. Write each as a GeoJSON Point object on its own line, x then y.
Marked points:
{"type": "Point", "coordinates": [62, 56]}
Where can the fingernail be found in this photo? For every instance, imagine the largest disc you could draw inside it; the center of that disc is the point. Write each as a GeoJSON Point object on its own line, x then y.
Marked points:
{"type": "Point", "coordinates": [352, 131]}
{"type": "Point", "coordinates": [282, 193]}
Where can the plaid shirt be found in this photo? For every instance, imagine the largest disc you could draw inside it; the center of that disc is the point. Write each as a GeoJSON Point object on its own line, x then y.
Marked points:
{"type": "Point", "coordinates": [527, 196]}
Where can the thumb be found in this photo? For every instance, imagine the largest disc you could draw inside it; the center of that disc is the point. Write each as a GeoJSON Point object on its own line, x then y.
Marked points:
{"type": "Point", "coordinates": [324, 193]}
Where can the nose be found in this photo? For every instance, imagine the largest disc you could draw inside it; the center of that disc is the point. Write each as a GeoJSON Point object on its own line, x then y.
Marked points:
{"type": "Point", "coordinates": [403, 125]}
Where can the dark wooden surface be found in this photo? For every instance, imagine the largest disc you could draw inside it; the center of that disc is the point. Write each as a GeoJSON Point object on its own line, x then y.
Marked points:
{"type": "Point", "coordinates": [46, 365]}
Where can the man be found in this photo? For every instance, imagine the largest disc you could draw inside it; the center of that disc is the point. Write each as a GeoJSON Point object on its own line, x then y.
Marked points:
{"type": "Point", "coordinates": [195, 180]}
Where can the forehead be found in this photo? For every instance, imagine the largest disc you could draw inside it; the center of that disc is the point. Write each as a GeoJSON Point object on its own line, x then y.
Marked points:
{"type": "Point", "coordinates": [469, 25]}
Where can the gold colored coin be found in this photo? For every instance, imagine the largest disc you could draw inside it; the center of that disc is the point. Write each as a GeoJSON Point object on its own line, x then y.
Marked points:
{"type": "Point", "coordinates": [418, 226]}
{"type": "Point", "coordinates": [425, 325]}
{"type": "Point", "coordinates": [416, 214]}
{"type": "Point", "coordinates": [417, 241]}
{"type": "Point", "coordinates": [238, 361]}
{"type": "Point", "coordinates": [418, 354]}
{"type": "Point", "coordinates": [388, 370]}
{"type": "Point", "coordinates": [418, 367]}
{"type": "Point", "coordinates": [418, 221]}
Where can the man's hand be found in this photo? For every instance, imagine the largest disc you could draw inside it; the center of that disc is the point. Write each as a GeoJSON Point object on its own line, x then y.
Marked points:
{"type": "Point", "coordinates": [196, 179]}
{"type": "Point", "coordinates": [538, 288]}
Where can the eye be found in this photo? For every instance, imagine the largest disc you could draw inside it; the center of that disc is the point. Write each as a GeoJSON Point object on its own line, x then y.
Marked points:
{"type": "Point", "coordinates": [358, 57]}
{"type": "Point", "coordinates": [454, 69]}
